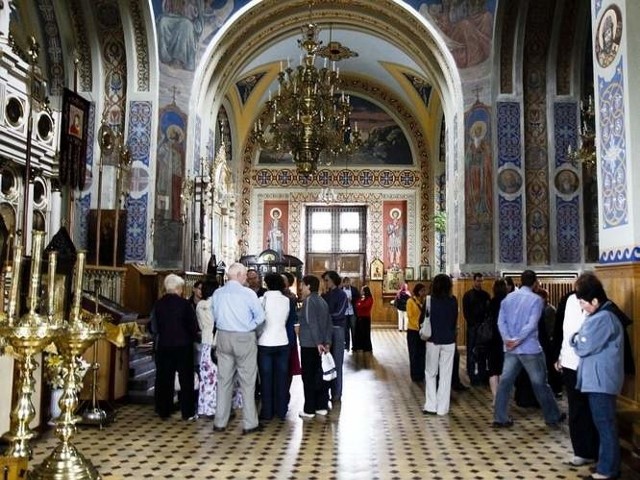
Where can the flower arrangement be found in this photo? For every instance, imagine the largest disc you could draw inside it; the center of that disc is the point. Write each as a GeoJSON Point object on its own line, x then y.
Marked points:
{"type": "Point", "coordinates": [55, 369]}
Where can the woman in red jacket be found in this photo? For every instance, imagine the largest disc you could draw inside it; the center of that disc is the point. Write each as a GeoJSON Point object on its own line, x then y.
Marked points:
{"type": "Point", "coordinates": [362, 336]}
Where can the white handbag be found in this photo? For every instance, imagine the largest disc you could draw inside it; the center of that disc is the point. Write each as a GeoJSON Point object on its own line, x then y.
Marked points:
{"type": "Point", "coordinates": [328, 367]}
{"type": "Point", "coordinates": [425, 328]}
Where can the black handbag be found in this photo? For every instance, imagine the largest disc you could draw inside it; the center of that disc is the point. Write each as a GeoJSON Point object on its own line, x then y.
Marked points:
{"type": "Point", "coordinates": [484, 332]}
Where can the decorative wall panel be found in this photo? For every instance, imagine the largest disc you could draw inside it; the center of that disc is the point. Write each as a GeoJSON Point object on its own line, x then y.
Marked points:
{"type": "Point", "coordinates": [82, 44]}
{"type": "Point", "coordinates": [621, 255]}
{"type": "Point", "coordinates": [510, 214]}
{"type": "Point", "coordinates": [136, 201]}
{"type": "Point", "coordinates": [139, 137]}
{"type": "Point", "coordinates": [265, 177]}
{"type": "Point", "coordinates": [564, 61]}
{"type": "Point", "coordinates": [565, 115]}
{"type": "Point", "coordinates": [507, 46]}
{"type": "Point", "coordinates": [613, 149]}
{"type": "Point", "coordinates": [53, 46]}
{"type": "Point", "coordinates": [114, 62]}
{"type": "Point", "coordinates": [509, 137]}
{"type": "Point", "coordinates": [536, 165]}
{"type": "Point", "coordinates": [136, 239]}
{"type": "Point", "coordinates": [142, 50]}
{"type": "Point", "coordinates": [568, 230]}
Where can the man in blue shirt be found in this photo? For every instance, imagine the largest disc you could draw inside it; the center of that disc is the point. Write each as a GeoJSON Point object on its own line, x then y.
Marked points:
{"type": "Point", "coordinates": [518, 320]}
{"type": "Point", "coordinates": [237, 313]}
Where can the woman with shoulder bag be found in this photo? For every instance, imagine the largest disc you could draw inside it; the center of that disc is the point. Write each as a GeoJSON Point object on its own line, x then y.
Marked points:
{"type": "Point", "coordinates": [416, 346]}
{"type": "Point", "coordinates": [441, 346]}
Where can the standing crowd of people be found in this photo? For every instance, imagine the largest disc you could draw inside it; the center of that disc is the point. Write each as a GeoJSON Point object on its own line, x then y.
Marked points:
{"type": "Point", "coordinates": [224, 347]}
{"type": "Point", "coordinates": [515, 340]}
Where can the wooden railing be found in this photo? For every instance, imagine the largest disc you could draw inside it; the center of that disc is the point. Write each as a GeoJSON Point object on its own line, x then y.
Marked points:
{"type": "Point", "coordinates": [112, 281]}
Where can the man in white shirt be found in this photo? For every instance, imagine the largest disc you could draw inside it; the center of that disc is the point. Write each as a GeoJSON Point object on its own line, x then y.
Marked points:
{"type": "Point", "coordinates": [583, 433]}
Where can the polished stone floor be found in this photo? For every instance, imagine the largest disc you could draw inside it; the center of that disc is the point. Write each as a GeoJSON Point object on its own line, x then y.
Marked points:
{"type": "Point", "coordinates": [379, 432]}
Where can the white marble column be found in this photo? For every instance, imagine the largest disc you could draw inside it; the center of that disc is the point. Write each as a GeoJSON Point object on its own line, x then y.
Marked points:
{"type": "Point", "coordinates": [5, 13]}
{"type": "Point", "coordinates": [617, 88]}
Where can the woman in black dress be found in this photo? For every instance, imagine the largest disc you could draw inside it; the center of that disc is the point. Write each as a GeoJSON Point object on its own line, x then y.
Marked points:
{"type": "Point", "coordinates": [495, 346]}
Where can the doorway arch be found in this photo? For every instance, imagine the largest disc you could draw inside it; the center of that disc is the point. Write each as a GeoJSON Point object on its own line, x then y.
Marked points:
{"type": "Point", "coordinates": [261, 23]}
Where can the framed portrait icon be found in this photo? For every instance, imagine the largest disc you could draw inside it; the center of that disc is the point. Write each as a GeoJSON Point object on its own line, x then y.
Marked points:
{"type": "Point", "coordinates": [425, 272]}
{"type": "Point", "coordinates": [408, 274]}
{"type": "Point", "coordinates": [376, 270]}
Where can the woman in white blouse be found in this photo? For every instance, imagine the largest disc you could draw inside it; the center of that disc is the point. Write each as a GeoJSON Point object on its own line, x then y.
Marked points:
{"type": "Point", "coordinates": [273, 350]}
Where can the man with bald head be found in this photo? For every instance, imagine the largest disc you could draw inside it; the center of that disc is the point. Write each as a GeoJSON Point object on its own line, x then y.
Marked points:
{"type": "Point", "coordinates": [237, 313]}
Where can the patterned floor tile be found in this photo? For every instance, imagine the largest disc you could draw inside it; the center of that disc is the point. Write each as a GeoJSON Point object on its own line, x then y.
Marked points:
{"type": "Point", "coordinates": [378, 432]}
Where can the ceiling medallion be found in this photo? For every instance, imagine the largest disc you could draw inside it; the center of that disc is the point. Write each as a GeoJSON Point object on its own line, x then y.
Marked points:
{"type": "Point", "coordinates": [335, 51]}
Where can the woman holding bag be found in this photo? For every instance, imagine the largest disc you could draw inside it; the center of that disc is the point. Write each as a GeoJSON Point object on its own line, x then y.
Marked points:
{"type": "Point", "coordinates": [440, 346]}
{"type": "Point", "coordinates": [315, 339]}
{"type": "Point", "coordinates": [416, 347]}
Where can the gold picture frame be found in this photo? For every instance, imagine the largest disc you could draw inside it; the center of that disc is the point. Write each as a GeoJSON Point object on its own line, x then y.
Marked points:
{"type": "Point", "coordinates": [393, 280]}
{"type": "Point", "coordinates": [376, 270]}
{"type": "Point", "coordinates": [425, 272]}
{"type": "Point", "coordinates": [408, 274]}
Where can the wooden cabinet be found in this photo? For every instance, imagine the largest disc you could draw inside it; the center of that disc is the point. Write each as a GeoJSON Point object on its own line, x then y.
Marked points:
{"type": "Point", "coordinates": [141, 289]}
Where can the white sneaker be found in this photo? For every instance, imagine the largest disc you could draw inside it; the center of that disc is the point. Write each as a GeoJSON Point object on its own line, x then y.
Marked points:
{"type": "Point", "coordinates": [322, 412]}
{"type": "Point", "coordinates": [577, 461]}
{"type": "Point", "coordinates": [305, 415]}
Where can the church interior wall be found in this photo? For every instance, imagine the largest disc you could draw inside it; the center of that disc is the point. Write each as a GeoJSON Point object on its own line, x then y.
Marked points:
{"type": "Point", "coordinates": [536, 214]}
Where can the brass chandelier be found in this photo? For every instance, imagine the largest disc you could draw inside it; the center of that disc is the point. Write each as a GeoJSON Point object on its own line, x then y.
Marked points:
{"type": "Point", "coordinates": [585, 154]}
{"type": "Point", "coordinates": [310, 116]}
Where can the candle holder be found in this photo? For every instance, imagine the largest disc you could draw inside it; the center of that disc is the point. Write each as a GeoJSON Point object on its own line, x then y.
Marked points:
{"type": "Point", "coordinates": [26, 336]}
{"type": "Point", "coordinates": [79, 333]}
{"type": "Point", "coordinates": [66, 461]}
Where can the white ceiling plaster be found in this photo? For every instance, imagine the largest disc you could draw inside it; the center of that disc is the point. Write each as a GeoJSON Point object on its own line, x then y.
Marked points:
{"type": "Point", "coordinates": [371, 50]}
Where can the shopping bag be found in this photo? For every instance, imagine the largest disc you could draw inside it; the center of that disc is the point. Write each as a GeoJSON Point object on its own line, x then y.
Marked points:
{"type": "Point", "coordinates": [328, 367]}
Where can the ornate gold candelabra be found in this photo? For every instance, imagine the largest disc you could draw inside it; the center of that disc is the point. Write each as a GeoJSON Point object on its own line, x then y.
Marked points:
{"type": "Point", "coordinates": [66, 462]}
{"type": "Point", "coordinates": [26, 336]}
